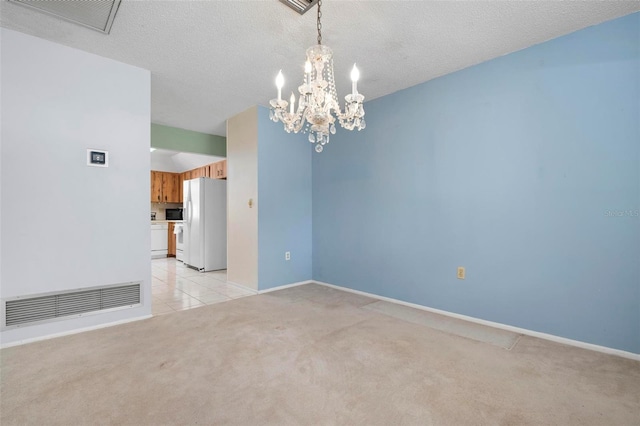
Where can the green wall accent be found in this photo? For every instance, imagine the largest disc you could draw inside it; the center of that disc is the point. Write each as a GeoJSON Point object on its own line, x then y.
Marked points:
{"type": "Point", "coordinates": [174, 139]}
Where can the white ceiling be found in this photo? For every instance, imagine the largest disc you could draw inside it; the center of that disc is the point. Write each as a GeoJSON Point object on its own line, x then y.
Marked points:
{"type": "Point", "coordinates": [211, 59]}
{"type": "Point", "coordinates": [177, 162]}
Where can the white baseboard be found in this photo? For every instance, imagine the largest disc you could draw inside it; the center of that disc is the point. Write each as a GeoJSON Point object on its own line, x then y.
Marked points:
{"type": "Point", "coordinates": [550, 337]}
{"type": "Point", "coordinates": [282, 287]}
{"type": "Point", "coordinates": [75, 331]}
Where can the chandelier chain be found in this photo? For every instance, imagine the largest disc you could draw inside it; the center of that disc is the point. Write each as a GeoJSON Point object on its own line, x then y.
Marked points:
{"type": "Point", "coordinates": [319, 23]}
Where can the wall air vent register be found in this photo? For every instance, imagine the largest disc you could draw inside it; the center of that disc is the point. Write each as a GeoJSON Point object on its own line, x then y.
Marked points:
{"type": "Point", "coordinates": [47, 307]}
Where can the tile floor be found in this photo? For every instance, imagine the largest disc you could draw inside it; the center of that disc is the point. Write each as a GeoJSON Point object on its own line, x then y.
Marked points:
{"type": "Point", "coordinates": [176, 287]}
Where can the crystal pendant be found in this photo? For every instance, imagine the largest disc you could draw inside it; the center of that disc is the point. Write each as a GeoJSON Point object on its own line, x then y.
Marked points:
{"type": "Point", "coordinates": [363, 124]}
{"type": "Point", "coordinates": [332, 129]}
{"type": "Point", "coordinates": [312, 138]}
{"type": "Point", "coordinates": [319, 148]}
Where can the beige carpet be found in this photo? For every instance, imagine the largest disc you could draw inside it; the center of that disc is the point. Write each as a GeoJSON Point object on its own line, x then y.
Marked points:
{"type": "Point", "coordinates": [308, 355]}
{"type": "Point", "coordinates": [482, 333]}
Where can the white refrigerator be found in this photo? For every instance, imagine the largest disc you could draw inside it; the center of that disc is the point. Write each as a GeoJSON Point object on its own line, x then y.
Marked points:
{"type": "Point", "coordinates": [205, 224]}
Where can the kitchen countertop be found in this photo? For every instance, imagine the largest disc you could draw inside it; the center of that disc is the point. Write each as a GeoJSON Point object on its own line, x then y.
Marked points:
{"type": "Point", "coordinates": [160, 222]}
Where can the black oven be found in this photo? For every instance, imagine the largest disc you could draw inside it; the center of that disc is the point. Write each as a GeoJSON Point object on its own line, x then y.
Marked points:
{"type": "Point", "coordinates": [174, 214]}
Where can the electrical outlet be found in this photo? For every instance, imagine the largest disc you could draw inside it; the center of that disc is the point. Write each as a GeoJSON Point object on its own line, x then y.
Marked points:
{"type": "Point", "coordinates": [287, 255]}
{"type": "Point", "coordinates": [461, 272]}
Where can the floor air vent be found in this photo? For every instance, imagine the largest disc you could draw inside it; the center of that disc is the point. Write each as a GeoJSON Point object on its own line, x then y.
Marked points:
{"type": "Point", "coordinates": [49, 307]}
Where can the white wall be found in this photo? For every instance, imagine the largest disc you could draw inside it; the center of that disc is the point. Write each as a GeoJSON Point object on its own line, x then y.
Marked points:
{"type": "Point", "coordinates": [242, 185]}
{"type": "Point", "coordinates": [66, 225]}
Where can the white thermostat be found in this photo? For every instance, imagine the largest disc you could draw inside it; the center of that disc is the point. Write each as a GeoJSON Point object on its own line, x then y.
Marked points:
{"type": "Point", "coordinates": [97, 158]}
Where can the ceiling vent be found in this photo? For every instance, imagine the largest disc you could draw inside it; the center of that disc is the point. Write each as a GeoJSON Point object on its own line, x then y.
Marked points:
{"type": "Point", "coordinates": [95, 14]}
{"type": "Point", "coordinates": [300, 6]}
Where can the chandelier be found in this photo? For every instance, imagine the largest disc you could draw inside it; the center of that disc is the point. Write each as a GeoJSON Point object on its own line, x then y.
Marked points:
{"type": "Point", "coordinates": [318, 106]}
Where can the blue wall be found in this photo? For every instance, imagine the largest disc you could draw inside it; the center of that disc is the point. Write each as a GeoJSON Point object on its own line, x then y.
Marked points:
{"type": "Point", "coordinates": [523, 169]}
{"type": "Point", "coordinates": [284, 204]}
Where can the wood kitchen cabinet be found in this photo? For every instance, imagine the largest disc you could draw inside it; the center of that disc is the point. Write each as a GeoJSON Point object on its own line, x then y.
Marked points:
{"type": "Point", "coordinates": [165, 187]}
{"type": "Point", "coordinates": [199, 172]}
{"type": "Point", "coordinates": [219, 170]}
{"type": "Point", "coordinates": [214, 170]}
{"type": "Point", "coordinates": [171, 241]}
{"type": "Point", "coordinates": [171, 187]}
{"type": "Point", "coordinates": [156, 187]}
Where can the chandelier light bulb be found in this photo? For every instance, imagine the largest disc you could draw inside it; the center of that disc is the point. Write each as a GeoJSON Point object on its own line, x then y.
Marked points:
{"type": "Point", "coordinates": [280, 84]}
{"type": "Point", "coordinates": [355, 75]}
{"type": "Point", "coordinates": [291, 105]}
{"type": "Point", "coordinates": [307, 72]}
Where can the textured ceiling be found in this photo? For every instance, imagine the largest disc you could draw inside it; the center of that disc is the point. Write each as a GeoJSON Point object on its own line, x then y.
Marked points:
{"type": "Point", "coordinates": [210, 60]}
